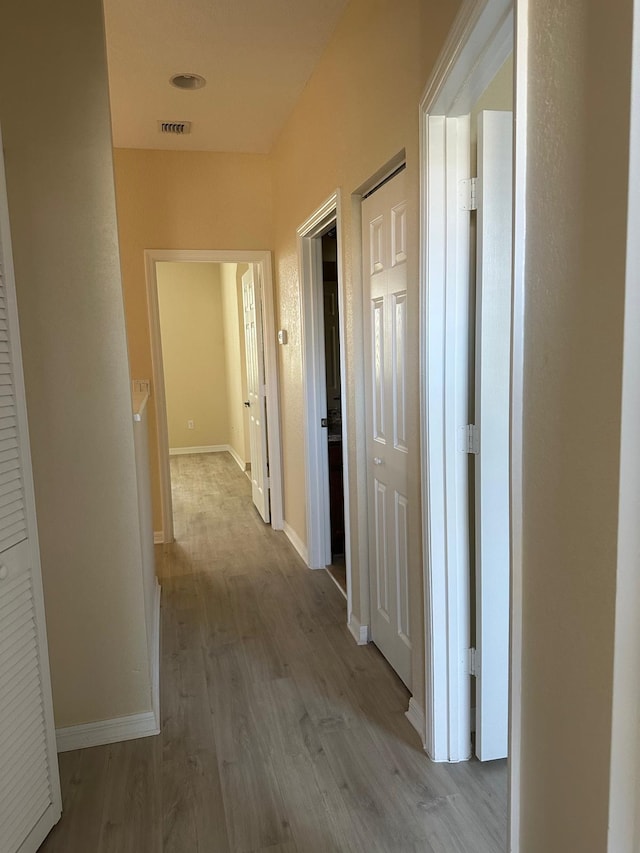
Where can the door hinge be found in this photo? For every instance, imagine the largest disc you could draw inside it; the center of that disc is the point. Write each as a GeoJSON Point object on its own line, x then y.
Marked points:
{"type": "Point", "coordinates": [467, 194]}
{"type": "Point", "coordinates": [324, 423]}
{"type": "Point", "coordinates": [267, 483]}
{"type": "Point", "coordinates": [470, 439]}
{"type": "Point", "coordinates": [474, 665]}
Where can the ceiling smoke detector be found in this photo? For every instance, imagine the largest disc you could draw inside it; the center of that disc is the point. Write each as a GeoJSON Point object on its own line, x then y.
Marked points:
{"type": "Point", "coordinates": [187, 81]}
{"type": "Point", "coordinates": [179, 127]}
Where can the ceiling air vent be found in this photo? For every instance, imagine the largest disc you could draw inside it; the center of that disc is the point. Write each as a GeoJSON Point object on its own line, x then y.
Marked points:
{"type": "Point", "coordinates": [179, 127]}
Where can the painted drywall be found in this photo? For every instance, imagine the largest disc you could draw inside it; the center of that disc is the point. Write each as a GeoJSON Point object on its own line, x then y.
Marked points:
{"type": "Point", "coordinates": [578, 150]}
{"type": "Point", "coordinates": [358, 111]}
{"type": "Point", "coordinates": [182, 200]}
{"type": "Point", "coordinates": [193, 353]}
{"type": "Point", "coordinates": [57, 145]}
{"type": "Point", "coordinates": [235, 359]}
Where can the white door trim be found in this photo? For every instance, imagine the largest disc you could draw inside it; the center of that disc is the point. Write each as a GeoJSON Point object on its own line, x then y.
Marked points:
{"type": "Point", "coordinates": [624, 791]}
{"type": "Point", "coordinates": [263, 263]}
{"type": "Point", "coordinates": [480, 41]}
{"type": "Point", "coordinates": [520, 56]}
{"type": "Point", "coordinates": [313, 367]}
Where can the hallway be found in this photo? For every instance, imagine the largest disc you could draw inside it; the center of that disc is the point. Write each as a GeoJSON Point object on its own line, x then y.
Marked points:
{"type": "Point", "coordinates": [279, 734]}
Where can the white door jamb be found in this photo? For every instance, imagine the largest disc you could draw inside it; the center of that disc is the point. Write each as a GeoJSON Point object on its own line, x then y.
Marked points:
{"type": "Point", "coordinates": [521, 48]}
{"type": "Point", "coordinates": [624, 786]}
{"type": "Point", "coordinates": [316, 459]}
{"type": "Point", "coordinates": [263, 265]}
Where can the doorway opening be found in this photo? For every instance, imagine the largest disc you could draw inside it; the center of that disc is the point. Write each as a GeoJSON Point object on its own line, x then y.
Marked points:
{"type": "Point", "coordinates": [202, 332]}
{"type": "Point", "coordinates": [202, 336]}
{"type": "Point", "coordinates": [333, 387]}
{"type": "Point", "coordinates": [324, 376]}
{"type": "Point", "coordinates": [219, 344]}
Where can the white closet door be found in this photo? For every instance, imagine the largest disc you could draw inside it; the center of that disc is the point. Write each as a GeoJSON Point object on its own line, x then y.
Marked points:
{"type": "Point", "coordinates": [29, 787]}
{"type": "Point", "coordinates": [493, 352]}
{"type": "Point", "coordinates": [256, 391]}
{"type": "Point", "coordinates": [384, 239]}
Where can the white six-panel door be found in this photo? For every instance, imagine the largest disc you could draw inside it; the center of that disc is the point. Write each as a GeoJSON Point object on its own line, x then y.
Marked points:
{"type": "Point", "coordinates": [493, 351]}
{"type": "Point", "coordinates": [29, 788]}
{"type": "Point", "coordinates": [256, 391]}
{"type": "Point", "coordinates": [384, 224]}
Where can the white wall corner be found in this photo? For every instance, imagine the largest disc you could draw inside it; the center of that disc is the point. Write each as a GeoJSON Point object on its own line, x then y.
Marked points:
{"type": "Point", "coordinates": [296, 541]}
{"type": "Point", "coordinates": [416, 717]}
{"type": "Point", "coordinates": [130, 727]}
{"type": "Point", "coordinates": [359, 632]}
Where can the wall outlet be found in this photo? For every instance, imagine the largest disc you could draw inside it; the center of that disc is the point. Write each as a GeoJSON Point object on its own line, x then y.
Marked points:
{"type": "Point", "coordinates": [190, 424]}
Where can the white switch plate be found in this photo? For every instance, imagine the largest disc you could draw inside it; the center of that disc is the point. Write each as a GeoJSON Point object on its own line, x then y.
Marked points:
{"type": "Point", "coordinates": [190, 424]}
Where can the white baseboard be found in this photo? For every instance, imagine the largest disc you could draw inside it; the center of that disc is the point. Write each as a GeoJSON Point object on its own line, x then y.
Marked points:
{"type": "Point", "coordinates": [359, 632]}
{"type": "Point", "coordinates": [342, 591]}
{"type": "Point", "coordinates": [155, 656]}
{"type": "Point", "coordinates": [158, 537]}
{"type": "Point", "coordinates": [207, 448]}
{"type": "Point", "coordinates": [107, 731]}
{"type": "Point", "coordinates": [241, 463]}
{"type": "Point", "coordinates": [297, 542]}
{"type": "Point", "coordinates": [416, 717]}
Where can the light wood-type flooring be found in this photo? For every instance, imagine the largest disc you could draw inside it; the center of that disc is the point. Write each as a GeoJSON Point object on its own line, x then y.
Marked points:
{"type": "Point", "coordinates": [279, 734]}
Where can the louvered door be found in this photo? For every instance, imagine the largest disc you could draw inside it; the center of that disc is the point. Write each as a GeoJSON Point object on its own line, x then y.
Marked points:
{"type": "Point", "coordinates": [29, 786]}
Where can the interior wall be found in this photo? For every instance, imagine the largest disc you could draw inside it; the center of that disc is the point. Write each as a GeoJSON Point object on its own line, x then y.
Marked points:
{"type": "Point", "coordinates": [192, 328]}
{"type": "Point", "coordinates": [182, 200]}
{"type": "Point", "coordinates": [358, 111]}
{"type": "Point", "coordinates": [578, 151]}
{"type": "Point", "coordinates": [235, 359]}
{"type": "Point", "coordinates": [54, 112]}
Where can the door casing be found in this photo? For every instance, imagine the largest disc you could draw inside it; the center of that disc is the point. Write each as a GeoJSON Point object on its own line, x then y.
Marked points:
{"type": "Point", "coordinates": [263, 263]}
{"type": "Point", "coordinates": [313, 372]}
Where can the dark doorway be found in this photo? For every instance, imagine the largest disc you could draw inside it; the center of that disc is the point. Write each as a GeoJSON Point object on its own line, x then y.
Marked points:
{"type": "Point", "coordinates": [334, 404]}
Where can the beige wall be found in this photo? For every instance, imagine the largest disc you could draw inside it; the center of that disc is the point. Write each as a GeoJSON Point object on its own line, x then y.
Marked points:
{"type": "Point", "coordinates": [54, 113]}
{"type": "Point", "coordinates": [182, 200]}
{"type": "Point", "coordinates": [579, 59]}
{"type": "Point", "coordinates": [358, 110]}
{"type": "Point", "coordinates": [235, 359]}
{"type": "Point", "coordinates": [193, 353]}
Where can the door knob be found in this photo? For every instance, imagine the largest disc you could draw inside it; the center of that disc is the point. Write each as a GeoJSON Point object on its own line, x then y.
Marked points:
{"type": "Point", "coordinates": [247, 403]}
{"type": "Point", "coordinates": [378, 461]}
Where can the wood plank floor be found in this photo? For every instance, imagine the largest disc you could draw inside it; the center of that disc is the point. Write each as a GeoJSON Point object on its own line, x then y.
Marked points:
{"type": "Point", "coordinates": [279, 734]}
